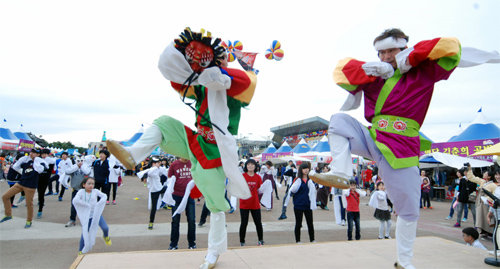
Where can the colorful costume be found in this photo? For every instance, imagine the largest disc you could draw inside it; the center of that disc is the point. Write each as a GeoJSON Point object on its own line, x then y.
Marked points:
{"type": "Point", "coordinates": [192, 64]}
{"type": "Point", "coordinates": [396, 102]}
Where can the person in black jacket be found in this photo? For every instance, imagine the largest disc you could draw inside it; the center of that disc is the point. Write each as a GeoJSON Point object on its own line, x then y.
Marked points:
{"type": "Point", "coordinates": [29, 167]}
{"type": "Point", "coordinates": [465, 188]}
{"type": "Point", "coordinates": [101, 172]}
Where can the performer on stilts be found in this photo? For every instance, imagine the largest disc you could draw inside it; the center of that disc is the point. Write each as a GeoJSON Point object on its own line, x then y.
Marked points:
{"type": "Point", "coordinates": [196, 67]}
{"type": "Point", "coordinates": [397, 93]}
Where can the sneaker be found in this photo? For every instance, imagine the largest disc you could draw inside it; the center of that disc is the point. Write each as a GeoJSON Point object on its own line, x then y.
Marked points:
{"type": "Point", "coordinates": [163, 204]}
{"type": "Point", "coordinates": [6, 218]}
{"type": "Point", "coordinates": [430, 207]}
{"type": "Point", "coordinates": [20, 199]}
{"type": "Point", "coordinates": [150, 226]}
{"type": "Point", "coordinates": [39, 215]}
{"type": "Point", "coordinates": [260, 243]}
{"type": "Point", "coordinates": [448, 218]}
{"type": "Point", "coordinates": [380, 237]}
{"type": "Point", "coordinates": [173, 248]}
{"type": "Point", "coordinates": [342, 223]}
{"type": "Point", "coordinates": [201, 223]}
{"type": "Point", "coordinates": [60, 199]}
{"type": "Point", "coordinates": [49, 193]}
{"type": "Point", "coordinates": [388, 237]}
{"type": "Point", "coordinates": [114, 202]}
{"type": "Point", "coordinates": [80, 253]}
{"type": "Point", "coordinates": [70, 224]}
{"type": "Point", "coordinates": [231, 211]}
{"type": "Point", "coordinates": [14, 206]}
{"type": "Point", "coordinates": [107, 202]}
{"type": "Point", "coordinates": [192, 247]}
{"type": "Point", "coordinates": [56, 193]}
{"type": "Point", "coordinates": [27, 225]}
{"type": "Point", "coordinates": [107, 240]}
{"type": "Point", "coordinates": [424, 207]}
{"type": "Point", "coordinates": [464, 219]}
{"type": "Point", "coordinates": [283, 216]}
{"type": "Point", "coordinates": [242, 244]}
{"type": "Point", "coordinates": [456, 225]}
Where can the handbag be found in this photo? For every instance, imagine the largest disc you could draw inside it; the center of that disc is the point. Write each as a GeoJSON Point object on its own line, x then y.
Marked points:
{"type": "Point", "coordinates": [119, 181]}
{"type": "Point", "coordinates": [472, 197]}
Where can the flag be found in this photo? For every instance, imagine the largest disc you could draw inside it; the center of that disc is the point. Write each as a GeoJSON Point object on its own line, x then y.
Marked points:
{"type": "Point", "coordinates": [480, 110]}
{"type": "Point", "coordinates": [246, 59]}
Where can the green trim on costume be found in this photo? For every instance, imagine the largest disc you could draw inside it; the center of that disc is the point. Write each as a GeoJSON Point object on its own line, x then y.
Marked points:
{"type": "Point", "coordinates": [386, 90]}
{"type": "Point", "coordinates": [424, 143]}
{"type": "Point", "coordinates": [411, 127]}
{"type": "Point", "coordinates": [450, 62]}
{"type": "Point", "coordinates": [210, 150]}
{"type": "Point", "coordinates": [394, 162]}
{"type": "Point", "coordinates": [348, 87]}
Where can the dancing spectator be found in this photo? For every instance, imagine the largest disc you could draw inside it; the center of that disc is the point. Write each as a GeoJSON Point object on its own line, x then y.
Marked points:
{"type": "Point", "coordinates": [251, 205]}
{"type": "Point", "coordinates": [353, 196]}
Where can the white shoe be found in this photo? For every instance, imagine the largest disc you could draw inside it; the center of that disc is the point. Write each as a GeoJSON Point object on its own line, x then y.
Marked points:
{"type": "Point", "coordinates": [342, 223]}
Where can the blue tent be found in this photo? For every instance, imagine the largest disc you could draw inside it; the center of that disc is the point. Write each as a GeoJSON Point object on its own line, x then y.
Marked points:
{"type": "Point", "coordinates": [479, 129]}
{"type": "Point", "coordinates": [284, 148]}
{"type": "Point", "coordinates": [134, 138]}
{"type": "Point", "coordinates": [426, 137]}
{"type": "Point", "coordinates": [270, 149]}
{"type": "Point", "coordinates": [429, 159]}
{"type": "Point", "coordinates": [7, 134]}
{"type": "Point", "coordinates": [322, 145]}
{"type": "Point", "coordinates": [302, 147]}
{"type": "Point", "coordinates": [22, 135]}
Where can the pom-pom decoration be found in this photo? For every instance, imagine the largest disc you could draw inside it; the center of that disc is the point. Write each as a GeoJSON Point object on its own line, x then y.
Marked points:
{"type": "Point", "coordinates": [275, 52]}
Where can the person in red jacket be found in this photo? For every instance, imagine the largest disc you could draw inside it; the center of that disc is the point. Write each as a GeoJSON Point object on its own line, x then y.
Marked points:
{"type": "Point", "coordinates": [252, 204]}
{"type": "Point", "coordinates": [352, 195]}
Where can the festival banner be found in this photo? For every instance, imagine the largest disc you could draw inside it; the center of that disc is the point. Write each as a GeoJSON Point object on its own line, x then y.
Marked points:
{"type": "Point", "coordinates": [8, 145]}
{"type": "Point", "coordinates": [25, 145]}
{"type": "Point", "coordinates": [269, 156]}
{"type": "Point", "coordinates": [464, 148]}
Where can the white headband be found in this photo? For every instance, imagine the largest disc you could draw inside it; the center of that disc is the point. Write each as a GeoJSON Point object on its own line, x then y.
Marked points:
{"type": "Point", "coordinates": [390, 43]}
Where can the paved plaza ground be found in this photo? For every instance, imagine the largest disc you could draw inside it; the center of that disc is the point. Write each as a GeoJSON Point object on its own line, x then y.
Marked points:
{"type": "Point", "coordinates": [48, 244]}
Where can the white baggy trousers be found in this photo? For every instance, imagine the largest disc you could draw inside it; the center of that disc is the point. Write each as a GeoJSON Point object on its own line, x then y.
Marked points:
{"type": "Point", "coordinates": [347, 135]}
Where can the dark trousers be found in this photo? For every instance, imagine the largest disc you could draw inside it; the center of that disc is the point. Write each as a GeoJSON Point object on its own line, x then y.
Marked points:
{"type": "Point", "coordinates": [244, 222]}
{"type": "Point", "coordinates": [103, 187]}
{"type": "Point", "coordinates": [298, 223]}
{"type": "Point", "coordinates": [43, 181]}
{"type": "Point", "coordinates": [72, 217]}
{"type": "Point", "coordinates": [353, 216]}
{"type": "Point", "coordinates": [154, 202]}
{"type": "Point", "coordinates": [204, 214]}
{"type": "Point", "coordinates": [61, 193]}
{"type": "Point", "coordinates": [191, 218]}
{"type": "Point", "coordinates": [114, 187]}
{"type": "Point", "coordinates": [52, 179]}
{"type": "Point", "coordinates": [426, 200]}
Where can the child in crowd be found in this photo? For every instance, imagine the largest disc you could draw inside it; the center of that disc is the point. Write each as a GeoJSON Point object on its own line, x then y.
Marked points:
{"type": "Point", "coordinates": [304, 201]}
{"type": "Point", "coordinates": [252, 204]}
{"type": "Point", "coordinates": [471, 236]}
{"type": "Point", "coordinates": [89, 210]}
{"type": "Point", "coordinates": [155, 187]}
{"type": "Point", "coordinates": [426, 189]}
{"type": "Point", "coordinates": [352, 197]}
{"type": "Point", "coordinates": [378, 201]}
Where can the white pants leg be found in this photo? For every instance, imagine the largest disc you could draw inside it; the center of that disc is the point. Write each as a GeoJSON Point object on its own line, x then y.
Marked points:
{"type": "Point", "coordinates": [234, 202]}
{"type": "Point", "coordinates": [342, 162]}
{"type": "Point", "coordinates": [217, 236]}
{"type": "Point", "coordinates": [336, 209]}
{"type": "Point", "coordinates": [402, 185]}
{"type": "Point", "coordinates": [406, 231]}
{"type": "Point", "coordinates": [150, 139]}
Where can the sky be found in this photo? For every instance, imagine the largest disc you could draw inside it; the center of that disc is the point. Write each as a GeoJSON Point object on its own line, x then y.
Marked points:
{"type": "Point", "coordinates": [70, 70]}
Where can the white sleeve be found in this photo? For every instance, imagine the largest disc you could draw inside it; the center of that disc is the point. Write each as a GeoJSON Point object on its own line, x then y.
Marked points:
{"type": "Point", "coordinates": [37, 165]}
{"type": "Point", "coordinates": [17, 165]}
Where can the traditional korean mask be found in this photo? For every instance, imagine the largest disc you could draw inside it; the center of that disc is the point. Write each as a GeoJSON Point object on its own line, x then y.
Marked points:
{"type": "Point", "coordinates": [198, 55]}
